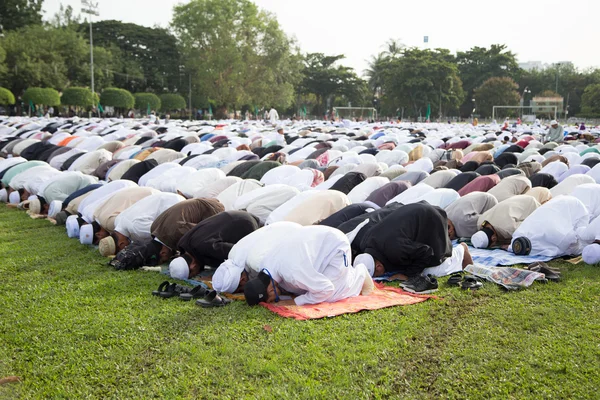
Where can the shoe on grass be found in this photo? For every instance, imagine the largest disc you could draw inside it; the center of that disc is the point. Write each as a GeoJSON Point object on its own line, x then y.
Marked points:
{"type": "Point", "coordinates": [422, 285]}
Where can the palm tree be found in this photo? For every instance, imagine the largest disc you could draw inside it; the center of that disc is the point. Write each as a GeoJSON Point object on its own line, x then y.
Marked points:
{"type": "Point", "coordinates": [374, 73]}
{"type": "Point", "coordinates": [394, 47]}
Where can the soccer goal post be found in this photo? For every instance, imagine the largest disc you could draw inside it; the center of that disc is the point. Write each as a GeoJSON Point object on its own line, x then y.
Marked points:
{"type": "Point", "coordinates": [355, 112]}
{"type": "Point", "coordinates": [526, 113]}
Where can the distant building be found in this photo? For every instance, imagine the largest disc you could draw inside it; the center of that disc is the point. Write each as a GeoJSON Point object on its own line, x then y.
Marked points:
{"type": "Point", "coordinates": [540, 105]}
{"type": "Point", "coordinates": [531, 65]}
{"type": "Point", "coordinates": [540, 66]}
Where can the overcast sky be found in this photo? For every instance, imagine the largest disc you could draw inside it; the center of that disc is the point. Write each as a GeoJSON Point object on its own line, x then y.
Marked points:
{"type": "Point", "coordinates": [536, 30]}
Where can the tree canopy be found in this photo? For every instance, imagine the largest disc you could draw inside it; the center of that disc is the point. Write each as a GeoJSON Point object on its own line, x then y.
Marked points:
{"type": "Point", "coordinates": [232, 55]}
{"type": "Point", "coordinates": [171, 102]}
{"type": "Point", "coordinates": [42, 96]}
{"type": "Point", "coordinates": [325, 79]}
{"type": "Point", "coordinates": [143, 101]}
{"type": "Point", "coordinates": [77, 96]}
{"type": "Point", "coordinates": [15, 14]}
{"type": "Point", "coordinates": [496, 92]}
{"type": "Point", "coordinates": [115, 97]}
{"type": "Point", "coordinates": [590, 102]}
{"type": "Point", "coordinates": [235, 53]}
{"type": "Point", "coordinates": [420, 78]}
{"type": "Point", "coordinates": [6, 97]}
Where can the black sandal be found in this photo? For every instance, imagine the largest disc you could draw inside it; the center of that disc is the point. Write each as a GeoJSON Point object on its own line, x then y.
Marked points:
{"type": "Point", "coordinates": [212, 299]}
{"type": "Point", "coordinates": [455, 279]}
{"type": "Point", "coordinates": [469, 282]}
{"type": "Point", "coordinates": [174, 290]}
{"type": "Point", "coordinates": [161, 288]}
{"type": "Point", "coordinates": [196, 293]}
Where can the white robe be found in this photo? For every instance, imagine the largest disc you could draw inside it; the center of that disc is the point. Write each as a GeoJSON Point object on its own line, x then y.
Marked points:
{"type": "Point", "coordinates": [136, 221]}
{"type": "Point", "coordinates": [319, 270]}
{"type": "Point", "coordinates": [198, 180]}
{"type": "Point", "coordinates": [262, 201]}
{"type": "Point", "coordinates": [555, 228]}
{"type": "Point", "coordinates": [89, 204]}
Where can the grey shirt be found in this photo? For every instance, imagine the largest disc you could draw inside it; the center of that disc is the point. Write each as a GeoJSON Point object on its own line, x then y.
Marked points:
{"type": "Point", "coordinates": [555, 134]}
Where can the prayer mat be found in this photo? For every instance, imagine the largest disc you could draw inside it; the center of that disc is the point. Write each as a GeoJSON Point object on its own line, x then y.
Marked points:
{"type": "Point", "coordinates": [493, 258]}
{"type": "Point", "coordinates": [382, 297]}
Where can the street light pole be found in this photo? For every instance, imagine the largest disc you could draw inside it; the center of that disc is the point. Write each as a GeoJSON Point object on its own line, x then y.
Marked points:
{"type": "Point", "coordinates": [87, 7]}
{"type": "Point", "coordinates": [557, 70]}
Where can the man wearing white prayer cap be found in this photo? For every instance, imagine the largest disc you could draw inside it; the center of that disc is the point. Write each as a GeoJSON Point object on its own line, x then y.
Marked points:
{"type": "Point", "coordinates": [555, 132]}
{"type": "Point", "coordinates": [319, 271]}
{"type": "Point", "coordinates": [591, 254]}
{"type": "Point", "coordinates": [554, 229]}
{"type": "Point", "coordinates": [497, 225]}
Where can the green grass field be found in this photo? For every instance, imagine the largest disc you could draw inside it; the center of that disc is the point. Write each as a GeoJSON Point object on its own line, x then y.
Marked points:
{"type": "Point", "coordinates": [71, 327]}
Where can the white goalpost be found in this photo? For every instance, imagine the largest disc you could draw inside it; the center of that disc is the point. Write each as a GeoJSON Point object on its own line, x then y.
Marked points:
{"type": "Point", "coordinates": [355, 112]}
{"type": "Point", "coordinates": [532, 111]}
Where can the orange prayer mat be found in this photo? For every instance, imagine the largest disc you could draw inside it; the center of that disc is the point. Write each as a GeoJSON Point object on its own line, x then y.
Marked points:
{"type": "Point", "coordinates": [382, 297]}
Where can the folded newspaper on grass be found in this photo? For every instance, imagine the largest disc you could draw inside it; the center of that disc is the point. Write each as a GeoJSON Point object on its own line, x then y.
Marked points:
{"type": "Point", "coordinates": [510, 278]}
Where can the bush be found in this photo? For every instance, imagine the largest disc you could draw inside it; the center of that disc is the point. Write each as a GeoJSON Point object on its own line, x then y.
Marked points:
{"type": "Point", "coordinates": [42, 96]}
{"type": "Point", "coordinates": [6, 97]}
{"type": "Point", "coordinates": [171, 101]}
{"type": "Point", "coordinates": [143, 99]}
{"type": "Point", "coordinates": [78, 96]}
{"type": "Point", "coordinates": [115, 97]}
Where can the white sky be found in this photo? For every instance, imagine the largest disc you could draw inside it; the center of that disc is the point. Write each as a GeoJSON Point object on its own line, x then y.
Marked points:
{"type": "Point", "coordinates": [536, 30]}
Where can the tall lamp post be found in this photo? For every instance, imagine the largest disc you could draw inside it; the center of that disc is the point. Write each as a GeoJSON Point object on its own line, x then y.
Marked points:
{"type": "Point", "coordinates": [87, 7]}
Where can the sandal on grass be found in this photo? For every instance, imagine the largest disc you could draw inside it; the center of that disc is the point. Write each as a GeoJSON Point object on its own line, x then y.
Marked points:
{"type": "Point", "coordinates": [161, 288]}
{"type": "Point", "coordinates": [212, 299]}
{"type": "Point", "coordinates": [454, 279]}
{"type": "Point", "coordinates": [469, 282]}
{"type": "Point", "coordinates": [196, 293]}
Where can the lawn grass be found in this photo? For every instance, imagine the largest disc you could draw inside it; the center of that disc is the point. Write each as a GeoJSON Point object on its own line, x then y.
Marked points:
{"type": "Point", "coordinates": [71, 327]}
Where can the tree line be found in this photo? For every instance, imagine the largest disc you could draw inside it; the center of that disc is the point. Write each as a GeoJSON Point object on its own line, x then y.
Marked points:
{"type": "Point", "coordinates": [228, 55]}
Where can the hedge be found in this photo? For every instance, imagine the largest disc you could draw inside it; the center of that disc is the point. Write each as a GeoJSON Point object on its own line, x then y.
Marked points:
{"type": "Point", "coordinates": [78, 96]}
{"type": "Point", "coordinates": [115, 97]}
{"type": "Point", "coordinates": [171, 101]}
{"type": "Point", "coordinates": [42, 96]}
{"type": "Point", "coordinates": [6, 97]}
{"type": "Point", "coordinates": [143, 99]}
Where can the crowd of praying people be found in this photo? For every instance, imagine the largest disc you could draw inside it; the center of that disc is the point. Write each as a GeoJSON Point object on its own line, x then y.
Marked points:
{"type": "Point", "coordinates": [310, 209]}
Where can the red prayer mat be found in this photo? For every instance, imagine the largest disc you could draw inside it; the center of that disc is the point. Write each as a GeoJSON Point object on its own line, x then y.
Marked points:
{"type": "Point", "coordinates": [382, 297]}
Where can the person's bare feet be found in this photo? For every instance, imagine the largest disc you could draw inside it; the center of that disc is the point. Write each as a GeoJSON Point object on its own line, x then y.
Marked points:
{"type": "Point", "coordinates": [467, 259]}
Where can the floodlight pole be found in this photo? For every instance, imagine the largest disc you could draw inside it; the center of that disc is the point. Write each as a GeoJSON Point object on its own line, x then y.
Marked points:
{"type": "Point", "coordinates": [91, 9]}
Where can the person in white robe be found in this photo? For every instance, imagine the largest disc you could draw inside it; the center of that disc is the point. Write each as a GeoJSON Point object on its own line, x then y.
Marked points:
{"type": "Point", "coordinates": [133, 224]}
{"type": "Point", "coordinates": [555, 228]}
{"type": "Point", "coordinates": [318, 271]}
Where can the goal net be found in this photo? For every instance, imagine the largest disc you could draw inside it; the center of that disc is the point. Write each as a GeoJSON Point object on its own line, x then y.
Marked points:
{"type": "Point", "coordinates": [360, 113]}
{"type": "Point", "coordinates": [527, 114]}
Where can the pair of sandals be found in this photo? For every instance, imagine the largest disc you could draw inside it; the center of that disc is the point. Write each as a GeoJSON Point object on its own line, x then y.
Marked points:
{"type": "Point", "coordinates": [466, 282]}
{"type": "Point", "coordinates": [206, 298]}
{"type": "Point", "coordinates": [551, 274]}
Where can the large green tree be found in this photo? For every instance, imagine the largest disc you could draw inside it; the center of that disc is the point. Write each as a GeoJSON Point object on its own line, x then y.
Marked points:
{"type": "Point", "coordinates": [419, 78]}
{"type": "Point", "coordinates": [46, 56]}
{"type": "Point", "coordinates": [496, 92]}
{"type": "Point", "coordinates": [15, 14]}
{"type": "Point", "coordinates": [327, 80]}
{"type": "Point", "coordinates": [479, 64]}
{"type": "Point", "coordinates": [144, 58]}
{"type": "Point", "coordinates": [590, 102]}
{"type": "Point", "coordinates": [235, 53]}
